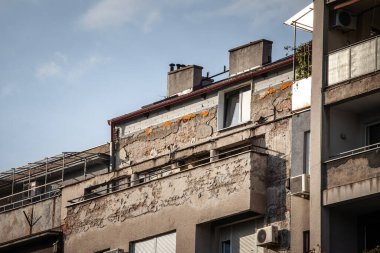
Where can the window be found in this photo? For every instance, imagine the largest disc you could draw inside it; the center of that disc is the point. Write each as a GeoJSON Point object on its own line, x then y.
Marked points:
{"type": "Point", "coordinates": [373, 134]}
{"type": "Point", "coordinates": [306, 241]}
{"type": "Point", "coordinates": [160, 244]}
{"type": "Point", "coordinates": [306, 157]}
{"type": "Point", "coordinates": [226, 246]}
{"type": "Point", "coordinates": [239, 237]}
{"type": "Point", "coordinates": [235, 107]}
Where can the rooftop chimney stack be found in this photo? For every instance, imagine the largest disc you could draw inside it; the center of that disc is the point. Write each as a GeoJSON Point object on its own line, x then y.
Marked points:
{"type": "Point", "coordinates": [183, 79]}
{"type": "Point", "coordinates": [249, 56]}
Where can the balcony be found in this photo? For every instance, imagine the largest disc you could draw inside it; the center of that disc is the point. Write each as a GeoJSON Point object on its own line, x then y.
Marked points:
{"type": "Point", "coordinates": [230, 185]}
{"type": "Point", "coordinates": [354, 61]}
{"type": "Point", "coordinates": [353, 174]}
{"type": "Point", "coordinates": [25, 222]}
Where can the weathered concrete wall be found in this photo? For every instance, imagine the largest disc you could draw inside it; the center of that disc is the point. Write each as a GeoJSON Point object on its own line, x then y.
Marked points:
{"type": "Point", "coordinates": [353, 169]}
{"type": "Point", "coordinates": [299, 222]}
{"type": "Point", "coordinates": [13, 224]}
{"type": "Point", "coordinates": [353, 88]}
{"type": "Point", "coordinates": [174, 112]}
{"type": "Point", "coordinates": [300, 125]}
{"type": "Point", "coordinates": [178, 202]}
{"type": "Point", "coordinates": [251, 55]}
{"type": "Point", "coordinates": [165, 138]}
{"type": "Point", "coordinates": [183, 79]}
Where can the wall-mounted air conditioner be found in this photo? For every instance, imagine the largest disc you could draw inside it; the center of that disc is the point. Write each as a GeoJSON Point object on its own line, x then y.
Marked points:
{"type": "Point", "coordinates": [115, 251]}
{"type": "Point", "coordinates": [300, 185]}
{"type": "Point", "coordinates": [343, 20]}
{"type": "Point", "coordinates": [267, 236]}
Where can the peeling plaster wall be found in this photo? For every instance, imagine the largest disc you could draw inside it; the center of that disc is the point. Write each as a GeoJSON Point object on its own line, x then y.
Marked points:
{"type": "Point", "coordinates": [181, 201]}
{"type": "Point", "coordinates": [170, 135]}
{"type": "Point", "coordinates": [353, 169]}
{"type": "Point", "coordinates": [223, 188]}
{"type": "Point", "coordinates": [14, 225]}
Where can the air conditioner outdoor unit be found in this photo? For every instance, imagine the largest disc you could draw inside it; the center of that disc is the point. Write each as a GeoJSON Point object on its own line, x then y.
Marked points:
{"type": "Point", "coordinates": [344, 20]}
{"type": "Point", "coordinates": [115, 251]}
{"type": "Point", "coordinates": [267, 236]}
{"type": "Point", "coordinates": [300, 185]}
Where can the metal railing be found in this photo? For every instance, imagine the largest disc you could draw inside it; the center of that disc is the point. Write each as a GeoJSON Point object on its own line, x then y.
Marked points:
{"type": "Point", "coordinates": [353, 61]}
{"type": "Point", "coordinates": [163, 172]}
{"type": "Point", "coordinates": [30, 196]}
{"type": "Point", "coordinates": [353, 152]}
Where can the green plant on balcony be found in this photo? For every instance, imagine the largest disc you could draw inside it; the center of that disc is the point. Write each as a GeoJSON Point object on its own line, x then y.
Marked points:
{"type": "Point", "coordinates": [303, 60]}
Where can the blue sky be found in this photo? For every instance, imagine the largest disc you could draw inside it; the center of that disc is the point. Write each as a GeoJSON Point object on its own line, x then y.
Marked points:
{"type": "Point", "coordinates": [66, 67]}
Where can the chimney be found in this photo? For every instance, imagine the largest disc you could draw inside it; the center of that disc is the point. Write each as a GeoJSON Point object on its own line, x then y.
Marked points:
{"type": "Point", "coordinates": [252, 55]}
{"type": "Point", "coordinates": [183, 79]}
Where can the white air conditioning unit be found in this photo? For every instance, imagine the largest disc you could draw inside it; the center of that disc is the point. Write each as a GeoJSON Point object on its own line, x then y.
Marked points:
{"type": "Point", "coordinates": [115, 251]}
{"type": "Point", "coordinates": [344, 20]}
{"type": "Point", "coordinates": [267, 236]}
{"type": "Point", "coordinates": [300, 185]}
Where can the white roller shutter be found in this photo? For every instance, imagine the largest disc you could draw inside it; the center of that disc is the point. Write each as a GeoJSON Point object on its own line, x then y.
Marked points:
{"type": "Point", "coordinates": [146, 246]}
{"type": "Point", "coordinates": [161, 244]}
{"type": "Point", "coordinates": [166, 243]}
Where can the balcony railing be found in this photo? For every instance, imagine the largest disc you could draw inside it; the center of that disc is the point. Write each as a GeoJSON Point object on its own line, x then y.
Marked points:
{"type": "Point", "coordinates": [354, 61]}
{"type": "Point", "coordinates": [163, 172]}
{"type": "Point", "coordinates": [30, 196]}
{"type": "Point", "coordinates": [353, 166]}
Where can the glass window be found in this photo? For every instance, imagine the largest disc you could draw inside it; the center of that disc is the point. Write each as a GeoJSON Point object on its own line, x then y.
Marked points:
{"type": "Point", "coordinates": [226, 246]}
{"type": "Point", "coordinates": [373, 134]}
{"type": "Point", "coordinates": [237, 107]}
{"type": "Point", "coordinates": [306, 168]}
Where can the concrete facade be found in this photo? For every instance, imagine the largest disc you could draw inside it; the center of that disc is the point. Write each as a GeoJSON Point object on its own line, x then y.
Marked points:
{"type": "Point", "coordinates": [344, 115]}
{"type": "Point", "coordinates": [173, 169]}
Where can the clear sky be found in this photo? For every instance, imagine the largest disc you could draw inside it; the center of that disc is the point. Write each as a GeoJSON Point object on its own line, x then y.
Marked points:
{"type": "Point", "coordinates": [66, 67]}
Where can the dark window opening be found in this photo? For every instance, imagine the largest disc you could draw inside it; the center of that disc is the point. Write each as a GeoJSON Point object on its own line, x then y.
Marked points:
{"type": "Point", "coordinates": [373, 134]}
{"type": "Point", "coordinates": [226, 246]}
{"type": "Point", "coordinates": [306, 241]}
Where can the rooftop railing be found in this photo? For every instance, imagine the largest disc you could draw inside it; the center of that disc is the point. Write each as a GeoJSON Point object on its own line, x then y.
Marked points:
{"type": "Point", "coordinates": [353, 61]}
{"type": "Point", "coordinates": [30, 196]}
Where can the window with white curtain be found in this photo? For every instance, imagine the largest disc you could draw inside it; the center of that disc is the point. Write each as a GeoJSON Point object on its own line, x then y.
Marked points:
{"type": "Point", "coordinates": [234, 107]}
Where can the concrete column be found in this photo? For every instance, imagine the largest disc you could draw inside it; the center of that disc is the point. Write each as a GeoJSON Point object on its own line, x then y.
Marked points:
{"type": "Point", "coordinates": [319, 232]}
{"type": "Point", "coordinates": [134, 179]}
{"type": "Point", "coordinates": [213, 155]}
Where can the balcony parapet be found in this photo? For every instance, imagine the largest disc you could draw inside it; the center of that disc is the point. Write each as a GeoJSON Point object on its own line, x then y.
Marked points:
{"type": "Point", "coordinates": [230, 185]}
{"type": "Point", "coordinates": [353, 61]}
{"type": "Point", "coordinates": [353, 166]}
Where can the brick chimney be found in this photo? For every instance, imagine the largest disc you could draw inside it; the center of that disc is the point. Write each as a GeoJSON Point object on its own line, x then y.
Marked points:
{"type": "Point", "coordinates": [250, 56]}
{"type": "Point", "coordinates": [183, 79]}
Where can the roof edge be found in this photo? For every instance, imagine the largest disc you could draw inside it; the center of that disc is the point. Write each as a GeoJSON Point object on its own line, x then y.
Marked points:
{"type": "Point", "coordinates": [238, 78]}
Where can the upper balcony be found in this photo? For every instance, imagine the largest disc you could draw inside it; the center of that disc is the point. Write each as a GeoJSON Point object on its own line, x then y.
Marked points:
{"type": "Point", "coordinates": [353, 168]}
{"type": "Point", "coordinates": [170, 197]}
{"type": "Point", "coordinates": [353, 46]}
{"type": "Point", "coordinates": [354, 61]}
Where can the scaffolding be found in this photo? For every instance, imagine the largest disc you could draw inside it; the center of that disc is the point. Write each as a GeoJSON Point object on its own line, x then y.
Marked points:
{"type": "Point", "coordinates": [43, 179]}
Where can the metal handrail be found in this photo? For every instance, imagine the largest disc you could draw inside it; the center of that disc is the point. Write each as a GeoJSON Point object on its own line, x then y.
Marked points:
{"type": "Point", "coordinates": [57, 182]}
{"type": "Point", "coordinates": [353, 44]}
{"type": "Point", "coordinates": [30, 200]}
{"type": "Point", "coordinates": [129, 184]}
{"type": "Point", "coordinates": [353, 152]}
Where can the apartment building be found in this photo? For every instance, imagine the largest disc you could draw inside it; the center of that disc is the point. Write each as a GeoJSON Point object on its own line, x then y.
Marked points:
{"type": "Point", "coordinates": [217, 166]}
{"type": "Point", "coordinates": [345, 127]}
{"type": "Point", "coordinates": [32, 201]}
